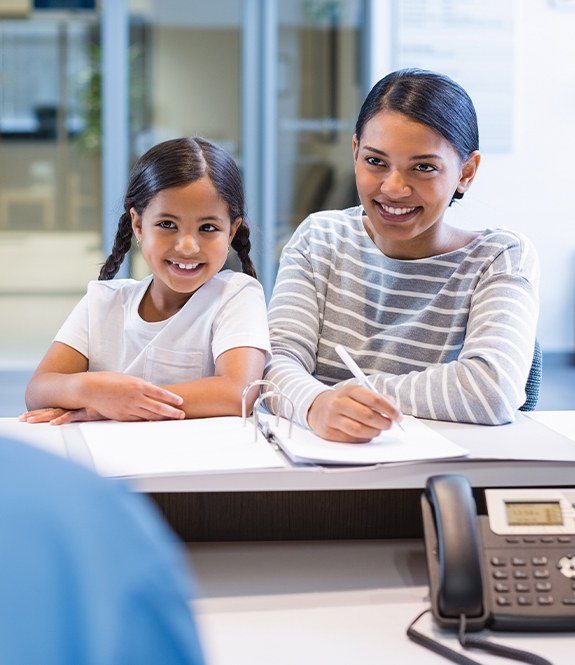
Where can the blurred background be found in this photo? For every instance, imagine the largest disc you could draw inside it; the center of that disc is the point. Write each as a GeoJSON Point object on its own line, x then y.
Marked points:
{"type": "Point", "coordinates": [87, 86]}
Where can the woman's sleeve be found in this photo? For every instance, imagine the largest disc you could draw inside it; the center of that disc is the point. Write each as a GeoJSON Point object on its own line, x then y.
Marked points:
{"type": "Point", "coordinates": [486, 384]}
{"type": "Point", "coordinates": [294, 315]}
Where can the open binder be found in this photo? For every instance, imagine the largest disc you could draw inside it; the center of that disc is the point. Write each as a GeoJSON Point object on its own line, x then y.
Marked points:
{"type": "Point", "coordinates": [238, 444]}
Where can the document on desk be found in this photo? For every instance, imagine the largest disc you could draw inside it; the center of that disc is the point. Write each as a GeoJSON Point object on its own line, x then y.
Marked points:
{"type": "Point", "coordinates": [562, 422]}
{"type": "Point", "coordinates": [416, 442]}
{"type": "Point", "coordinates": [177, 447]}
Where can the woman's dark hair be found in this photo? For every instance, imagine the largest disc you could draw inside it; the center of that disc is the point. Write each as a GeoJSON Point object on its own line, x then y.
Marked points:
{"type": "Point", "coordinates": [430, 98]}
{"type": "Point", "coordinates": [171, 164]}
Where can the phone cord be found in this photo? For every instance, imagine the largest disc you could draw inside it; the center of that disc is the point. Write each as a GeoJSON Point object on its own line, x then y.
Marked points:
{"type": "Point", "coordinates": [468, 641]}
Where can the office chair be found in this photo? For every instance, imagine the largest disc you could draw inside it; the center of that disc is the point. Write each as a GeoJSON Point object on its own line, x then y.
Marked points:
{"type": "Point", "coordinates": [533, 380]}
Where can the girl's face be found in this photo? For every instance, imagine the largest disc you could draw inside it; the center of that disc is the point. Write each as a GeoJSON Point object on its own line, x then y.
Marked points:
{"type": "Point", "coordinates": [406, 176]}
{"type": "Point", "coordinates": [185, 233]}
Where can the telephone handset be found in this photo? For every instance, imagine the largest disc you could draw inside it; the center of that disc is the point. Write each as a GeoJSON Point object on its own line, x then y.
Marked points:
{"type": "Point", "coordinates": [510, 569]}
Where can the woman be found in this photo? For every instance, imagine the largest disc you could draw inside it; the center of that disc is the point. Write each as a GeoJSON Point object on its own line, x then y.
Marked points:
{"type": "Point", "coordinates": [441, 319]}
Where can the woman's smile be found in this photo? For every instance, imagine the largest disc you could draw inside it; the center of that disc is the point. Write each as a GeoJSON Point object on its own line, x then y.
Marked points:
{"type": "Point", "coordinates": [396, 213]}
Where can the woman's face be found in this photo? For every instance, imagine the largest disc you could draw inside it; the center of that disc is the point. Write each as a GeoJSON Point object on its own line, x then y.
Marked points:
{"type": "Point", "coordinates": [406, 175]}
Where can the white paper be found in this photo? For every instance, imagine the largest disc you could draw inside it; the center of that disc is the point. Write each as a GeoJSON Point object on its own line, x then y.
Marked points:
{"type": "Point", "coordinates": [562, 422]}
{"type": "Point", "coordinates": [417, 442]}
{"type": "Point", "coordinates": [177, 447]}
{"type": "Point", "coordinates": [42, 435]}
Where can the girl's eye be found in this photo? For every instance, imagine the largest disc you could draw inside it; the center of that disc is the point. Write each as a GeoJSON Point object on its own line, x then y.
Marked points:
{"type": "Point", "coordinates": [425, 168]}
{"type": "Point", "coordinates": [374, 161]}
{"type": "Point", "coordinates": [166, 224]}
{"type": "Point", "coordinates": [210, 228]}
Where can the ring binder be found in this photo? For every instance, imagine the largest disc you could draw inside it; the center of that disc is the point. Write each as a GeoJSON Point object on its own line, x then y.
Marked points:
{"type": "Point", "coordinates": [274, 392]}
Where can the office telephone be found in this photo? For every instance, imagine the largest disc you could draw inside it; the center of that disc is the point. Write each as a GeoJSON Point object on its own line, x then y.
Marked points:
{"type": "Point", "coordinates": [510, 569]}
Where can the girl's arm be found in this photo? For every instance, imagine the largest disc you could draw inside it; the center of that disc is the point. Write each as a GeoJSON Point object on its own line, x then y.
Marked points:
{"type": "Point", "coordinates": [62, 381]}
{"type": "Point", "coordinates": [221, 394]}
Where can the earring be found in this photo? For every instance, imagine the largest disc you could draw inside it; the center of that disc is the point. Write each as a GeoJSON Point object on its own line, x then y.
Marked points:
{"type": "Point", "coordinates": [138, 242]}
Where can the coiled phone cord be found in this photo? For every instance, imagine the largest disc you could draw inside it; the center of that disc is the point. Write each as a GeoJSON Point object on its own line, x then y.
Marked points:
{"type": "Point", "coordinates": [467, 641]}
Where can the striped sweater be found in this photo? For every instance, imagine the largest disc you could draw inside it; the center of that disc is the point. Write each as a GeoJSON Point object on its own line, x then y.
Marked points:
{"type": "Point", "coordinates": [450, 337]}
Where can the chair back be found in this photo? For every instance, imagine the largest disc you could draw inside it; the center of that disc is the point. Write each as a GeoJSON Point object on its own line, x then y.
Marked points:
{"type": "Point", "coordinates": [533, 380]}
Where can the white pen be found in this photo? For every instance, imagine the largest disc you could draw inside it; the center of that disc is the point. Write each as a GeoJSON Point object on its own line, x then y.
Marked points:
{"type": "Point", "coordinates": [352, 366]}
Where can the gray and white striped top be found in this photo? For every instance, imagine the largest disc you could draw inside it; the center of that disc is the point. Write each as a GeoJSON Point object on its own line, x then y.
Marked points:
{"type": "Point", "coordinates": [451, 337]}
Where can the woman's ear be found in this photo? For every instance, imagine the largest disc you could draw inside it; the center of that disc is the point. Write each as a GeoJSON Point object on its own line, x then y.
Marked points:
{"type": "Point", "coordinates": [355, 146]}
{"type": "Point", "coordinates": [136, 224]}
{"type": "Point", "coordinates": [468, 171]}
{"type": "Point", "coordinates": [235, 225]}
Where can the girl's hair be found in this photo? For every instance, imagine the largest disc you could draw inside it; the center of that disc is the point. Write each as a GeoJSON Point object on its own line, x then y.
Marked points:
{"type": "Point", "coordinates": [171, 164]}
{"type": "Point", "coordinates": [430, 98]}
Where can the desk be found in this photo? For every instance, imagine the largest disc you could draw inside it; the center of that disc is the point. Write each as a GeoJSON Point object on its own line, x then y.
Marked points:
{"type": "Point", "coordinates": [319, 503]}
{"type": "Point", "coordinates": [320, 603]}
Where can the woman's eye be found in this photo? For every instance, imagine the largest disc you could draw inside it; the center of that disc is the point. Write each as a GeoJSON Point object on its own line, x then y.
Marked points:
{"type": "Point", "coordinates": [425, 168]}
{"type": "Point", "coordinates": [374, 161]}
{"type": "Point", "coordinates": [166, 224]}
{"type": "Point", "coordinates": [210, 228]}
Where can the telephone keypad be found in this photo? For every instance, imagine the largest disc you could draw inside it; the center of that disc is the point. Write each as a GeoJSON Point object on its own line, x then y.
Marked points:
{"type": "Point", "coordinates": [527, 580]}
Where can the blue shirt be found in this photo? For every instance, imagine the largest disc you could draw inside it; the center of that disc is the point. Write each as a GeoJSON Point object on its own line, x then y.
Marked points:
{"type": "Point", "coordinates": [88, 572]}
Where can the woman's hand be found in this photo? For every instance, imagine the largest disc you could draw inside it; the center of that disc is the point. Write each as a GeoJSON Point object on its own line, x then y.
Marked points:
{"type": "Point", "coordinates": [123, 397]}
{"type": "Point", "coordinates": [352, 414]}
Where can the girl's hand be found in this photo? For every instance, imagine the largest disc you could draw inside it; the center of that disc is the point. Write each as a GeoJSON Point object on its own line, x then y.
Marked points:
{"type": "Point", "coordinates": [56, 416]}
{"type": "Point", "coordinates": [122, 397]}
{"type": "Point", "coordinates": [45, 415]}
{"type": "Point", "coordinates": [352, 414]}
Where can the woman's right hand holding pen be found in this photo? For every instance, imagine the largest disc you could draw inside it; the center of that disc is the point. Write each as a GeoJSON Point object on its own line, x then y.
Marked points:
{"type": "Point", "coordinates": [351, 414]}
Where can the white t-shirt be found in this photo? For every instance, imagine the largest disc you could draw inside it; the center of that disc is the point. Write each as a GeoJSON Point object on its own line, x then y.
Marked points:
{"type": "Point", "coordinates": [227, 312]}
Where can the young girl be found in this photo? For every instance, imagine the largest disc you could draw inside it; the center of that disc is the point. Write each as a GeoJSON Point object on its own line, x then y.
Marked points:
{"type": "Point", "coordinates": [183, 342]}
{"type": "Point", "coordinates": [442, 319]}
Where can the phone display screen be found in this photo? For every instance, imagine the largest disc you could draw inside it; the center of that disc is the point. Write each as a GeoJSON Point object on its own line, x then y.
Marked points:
{"type": "Point", "coordinates": [536, 513]}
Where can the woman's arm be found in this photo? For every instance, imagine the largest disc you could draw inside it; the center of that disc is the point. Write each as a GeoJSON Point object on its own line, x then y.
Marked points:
{"type": "Point", "coordinates": [486, 383]}
{"type": "Point", "coordinates": [62, 381]}
{"type": "Point", "coordinates": [353, 414]}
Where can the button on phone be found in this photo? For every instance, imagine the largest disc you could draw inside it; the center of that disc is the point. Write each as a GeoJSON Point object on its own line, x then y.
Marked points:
{"type": "Point", "coordinates": [547, 539]}
{"type": "Point", "coordinates": [543, 586]}
{"type": "Point", "coordinates": [521, 587]}
{"type": "Point", "coordinates": [500, 575]}
{"type": "Point", "coordinates": [524, 600]}
{"type": "Point", "coordinates": [568, 601]}
{"type": "Point", "coordinates": [545, 600]}
{"type": "Point", "coordinates": [520, 575]}
{"type": "Point", "coordinates": [501, 587]}
{"type": "Point", "coordinates": [541, 573]}
{"type": "Point", "coordinates": [503, 600]}
{"type": "Point", "coordinates": [564, 539]}
{"type": "Point", "coordinates": [498, 561]}
{"type": "Point", "coordinates": [539, 560]}
{"type": "Point", "coordinates": [518, 561]}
